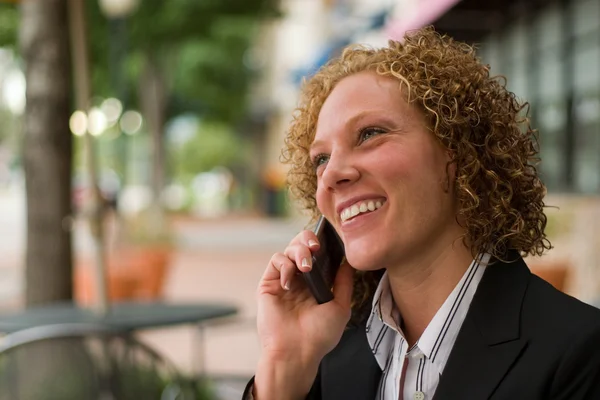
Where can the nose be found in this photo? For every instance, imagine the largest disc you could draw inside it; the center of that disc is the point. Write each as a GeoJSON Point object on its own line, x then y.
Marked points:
{"type": "Point", "coordinates": [340, 171]}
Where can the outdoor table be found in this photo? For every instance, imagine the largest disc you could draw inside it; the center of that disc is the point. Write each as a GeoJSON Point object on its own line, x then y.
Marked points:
{"type": "Point", "coordinates": [124, 318]}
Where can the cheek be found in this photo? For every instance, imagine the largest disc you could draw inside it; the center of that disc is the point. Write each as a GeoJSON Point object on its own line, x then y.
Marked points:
{"type": "Point", "coordinates": [404, 175]}
{"type": "Point", "coordinates": [429, 166]}
{"type": "Point", "coordinates": [392, 165]}
{"type": "Point", "coordinates": [416, 179]}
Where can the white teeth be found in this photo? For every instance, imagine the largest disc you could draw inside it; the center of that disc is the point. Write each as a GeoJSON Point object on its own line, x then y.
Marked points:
{"type": "Point", "coordinates": [356, 209]}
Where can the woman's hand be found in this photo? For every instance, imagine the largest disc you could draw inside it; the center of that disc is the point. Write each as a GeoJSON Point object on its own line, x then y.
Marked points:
{"type": "Point", "coordinates": [294, 330]}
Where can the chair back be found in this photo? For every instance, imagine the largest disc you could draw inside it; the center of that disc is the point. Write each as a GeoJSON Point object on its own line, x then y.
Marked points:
{"type": "Point", "coordinates": [85, 362]}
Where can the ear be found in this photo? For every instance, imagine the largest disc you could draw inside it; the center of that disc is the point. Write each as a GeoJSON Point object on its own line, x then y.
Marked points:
{"type": "Point", "coordinates": [451, 170]}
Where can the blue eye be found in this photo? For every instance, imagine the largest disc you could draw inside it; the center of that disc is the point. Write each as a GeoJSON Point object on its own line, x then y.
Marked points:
{"type": "Point", "coordinates": [368, 133]}
{"type": "Point", "coordinates": [319, 160]}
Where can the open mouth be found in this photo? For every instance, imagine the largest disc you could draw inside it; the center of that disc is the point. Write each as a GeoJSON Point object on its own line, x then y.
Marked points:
{"type": "Point", "coordinates": [361, 207]}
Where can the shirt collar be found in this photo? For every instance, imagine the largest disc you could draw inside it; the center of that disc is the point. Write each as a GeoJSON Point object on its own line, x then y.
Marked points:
{"type": "Point", "coordinates": [380, 334]}
{"type": "Point", "coordinates": [437, 340]}
{"type": "Point", "coordinates": [383, 304]}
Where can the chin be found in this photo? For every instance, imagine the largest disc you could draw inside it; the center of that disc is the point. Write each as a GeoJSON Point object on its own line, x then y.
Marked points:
{"type": "Point", "coordinates": [363, 260]}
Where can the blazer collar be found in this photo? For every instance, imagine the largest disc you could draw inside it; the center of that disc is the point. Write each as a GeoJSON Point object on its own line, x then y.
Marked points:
{"type": "Point", "coordinates": [489, 341]}
{"type": "Point", "coordinates": [351, 371]}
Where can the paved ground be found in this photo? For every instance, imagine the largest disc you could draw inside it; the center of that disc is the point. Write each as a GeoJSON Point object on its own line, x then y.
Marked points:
{"type": "Point", "coordinates": [221, 261]}
{"type": "Point", "coordinates": [228, 349]}
{"type": "Point", "coordinates": [217, 260]}
{"type": "Point", "coordinates": [12, 245]}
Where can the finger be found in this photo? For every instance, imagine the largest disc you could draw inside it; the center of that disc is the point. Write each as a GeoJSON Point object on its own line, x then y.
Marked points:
{"type": "Point", "coordinates": [270, 283]}
{"type": "Point", "coordinates": [309, 239]}
{"type": "Point", "coordinates": [301, 255]}
{"type": "Point", "coordinates": [343, 286]}
{"type": "Point", "coordinates": [287, 271]}
{"type": "Point", "coordinates": [283, 267]}
{"type": "Point", "coordinates": [273, 270]}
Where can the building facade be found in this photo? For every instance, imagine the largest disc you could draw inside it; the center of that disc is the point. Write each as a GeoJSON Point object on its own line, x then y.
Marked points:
{"type": "Point", "coordinates": [550, 53]}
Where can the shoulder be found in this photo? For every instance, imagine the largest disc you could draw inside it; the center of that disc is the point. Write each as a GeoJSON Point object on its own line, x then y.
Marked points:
{"type": "Point", "coordinates": [568, 331]}
{"type": "Point", "coordinates": [565, 332]}
{"type": "Point", "coordinates": [557, 313]}
{"type": "Point", "coordinates": [563, 336]}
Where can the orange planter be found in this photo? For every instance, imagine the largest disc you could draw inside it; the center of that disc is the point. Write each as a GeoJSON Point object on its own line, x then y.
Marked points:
{"type": "Point", "coordinates": [149, 265]}
{"type": "Point", "coordinates": [120, 286]}
{"type": "Point", "coordinates": [133, 273]}
{"type": "Point", "coordinates": [555, 274]}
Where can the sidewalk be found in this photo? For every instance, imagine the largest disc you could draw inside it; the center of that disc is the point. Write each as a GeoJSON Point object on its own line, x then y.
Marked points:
{"type": "Point", "coordinates": [220, 261]}
{"type": "Point", "coordinates": [216, 260]}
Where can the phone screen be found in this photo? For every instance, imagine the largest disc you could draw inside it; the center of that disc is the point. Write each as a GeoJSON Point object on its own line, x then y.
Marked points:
{"type": "Point", "coordinates": [326, 262]}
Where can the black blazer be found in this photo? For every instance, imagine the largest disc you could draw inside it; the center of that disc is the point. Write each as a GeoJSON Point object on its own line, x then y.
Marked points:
{"type": "Point", "coordinates": [521, 339]}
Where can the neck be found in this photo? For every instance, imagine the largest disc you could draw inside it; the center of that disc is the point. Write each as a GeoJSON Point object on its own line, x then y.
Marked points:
{"type": "Point", "coordinates": [421, 285]}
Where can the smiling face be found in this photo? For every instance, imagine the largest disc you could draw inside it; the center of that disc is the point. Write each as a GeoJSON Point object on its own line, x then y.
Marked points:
{"type": "Point", "coordinates": [381, 174]}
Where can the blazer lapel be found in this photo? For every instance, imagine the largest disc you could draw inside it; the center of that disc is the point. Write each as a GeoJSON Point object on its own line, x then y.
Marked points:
{"type": "Point", "coordinates": [351, 371]}
{"type": "Point", "coordinates": [489, 340]}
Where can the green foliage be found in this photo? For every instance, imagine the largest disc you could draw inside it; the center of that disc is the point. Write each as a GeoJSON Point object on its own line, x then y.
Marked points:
{"type": "Point", "coordinates": [66, 369]}
{"type": "Point", "coordinates": [9, 124]}
{"type": "Point", "coordinates": [214, 145]}
{"type": "Point", "coordinates": [559, 223]}
{"type": "Point", "coordinates": [9, 21]}
{"type": "Point", "coordinates": [163, 23]}
{"type": "Point", "coordinates": [199, 45]}
{"type": "Point", "coordinates": [212, 71]}
{"type": "Point", "coordinates": [139, 230]}
{"type": "Point", "coordinates": [131, 382]}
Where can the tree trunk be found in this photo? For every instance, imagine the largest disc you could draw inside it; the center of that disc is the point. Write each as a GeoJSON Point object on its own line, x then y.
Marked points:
{"type": "Point", "coordinates": [47, 155]}
{"type": "Point", "coordinates": [154, 106]}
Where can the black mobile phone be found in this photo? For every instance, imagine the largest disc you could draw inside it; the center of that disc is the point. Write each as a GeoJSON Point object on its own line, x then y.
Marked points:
{"type": "Point", "coordinates": [325, 262]}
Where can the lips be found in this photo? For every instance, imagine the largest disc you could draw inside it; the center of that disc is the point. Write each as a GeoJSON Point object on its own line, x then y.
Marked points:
{"type": "Point", "coordinates": [361, 207]}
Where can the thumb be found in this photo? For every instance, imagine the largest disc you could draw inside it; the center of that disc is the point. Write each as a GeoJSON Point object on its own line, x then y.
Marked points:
{"type": "Point", "coordinates": [343, 286]}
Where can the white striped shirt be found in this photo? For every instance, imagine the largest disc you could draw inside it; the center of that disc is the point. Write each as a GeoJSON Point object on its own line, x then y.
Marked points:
{"type": "Point", "coordinates": [425, 361]}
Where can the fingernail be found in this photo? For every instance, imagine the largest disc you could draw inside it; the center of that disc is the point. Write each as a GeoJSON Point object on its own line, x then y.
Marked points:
{"type": "Point", "coordinates": [287, 286]}
{"type": "Point", "coordinates": [312, 243]}
{"type": "Point", "coordinates": [305, 264]}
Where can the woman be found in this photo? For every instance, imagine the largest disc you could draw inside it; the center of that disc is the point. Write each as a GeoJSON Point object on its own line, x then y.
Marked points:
{"type": "Point", "coordinates": [423, 163]}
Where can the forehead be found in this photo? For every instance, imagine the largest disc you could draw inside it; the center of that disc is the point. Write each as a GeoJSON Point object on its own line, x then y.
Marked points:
{"type": "Point", "coordinates": [360, 96]}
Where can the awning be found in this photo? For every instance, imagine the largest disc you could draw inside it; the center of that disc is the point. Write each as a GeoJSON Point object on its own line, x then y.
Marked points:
{"type": "Point", "coordinates": [423, 13]}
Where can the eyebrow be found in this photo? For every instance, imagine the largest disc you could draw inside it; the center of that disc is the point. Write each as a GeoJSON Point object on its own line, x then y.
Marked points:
{"type": "Point", "coordinates": [353, 121]}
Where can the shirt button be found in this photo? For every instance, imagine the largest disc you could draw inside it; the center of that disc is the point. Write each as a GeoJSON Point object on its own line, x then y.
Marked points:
{"type": "Point", "coordinates": [419, 396]}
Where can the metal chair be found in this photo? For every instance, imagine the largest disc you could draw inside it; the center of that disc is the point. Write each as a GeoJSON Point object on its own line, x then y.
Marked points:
{"type": "Point", "coordinates": [87, 362]}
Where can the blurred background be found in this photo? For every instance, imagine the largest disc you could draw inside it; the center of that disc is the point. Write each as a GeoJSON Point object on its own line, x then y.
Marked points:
{"type": "Point", "coordinates": [140, 143]}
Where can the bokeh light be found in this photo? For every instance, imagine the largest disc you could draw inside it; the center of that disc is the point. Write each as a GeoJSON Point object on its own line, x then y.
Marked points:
{"type": "Point", "coordinates": [78, 123]}
{"type": "Point", "coordinates": [131, 122]}
{"type": "Point", "coordinates": [112, 109]}
{"type": "Point", "coordinates": [97, 123]}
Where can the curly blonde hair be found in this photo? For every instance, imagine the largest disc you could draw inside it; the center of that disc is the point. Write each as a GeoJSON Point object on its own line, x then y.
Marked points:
{"type": "Point", "coordinates": [472, 115]}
